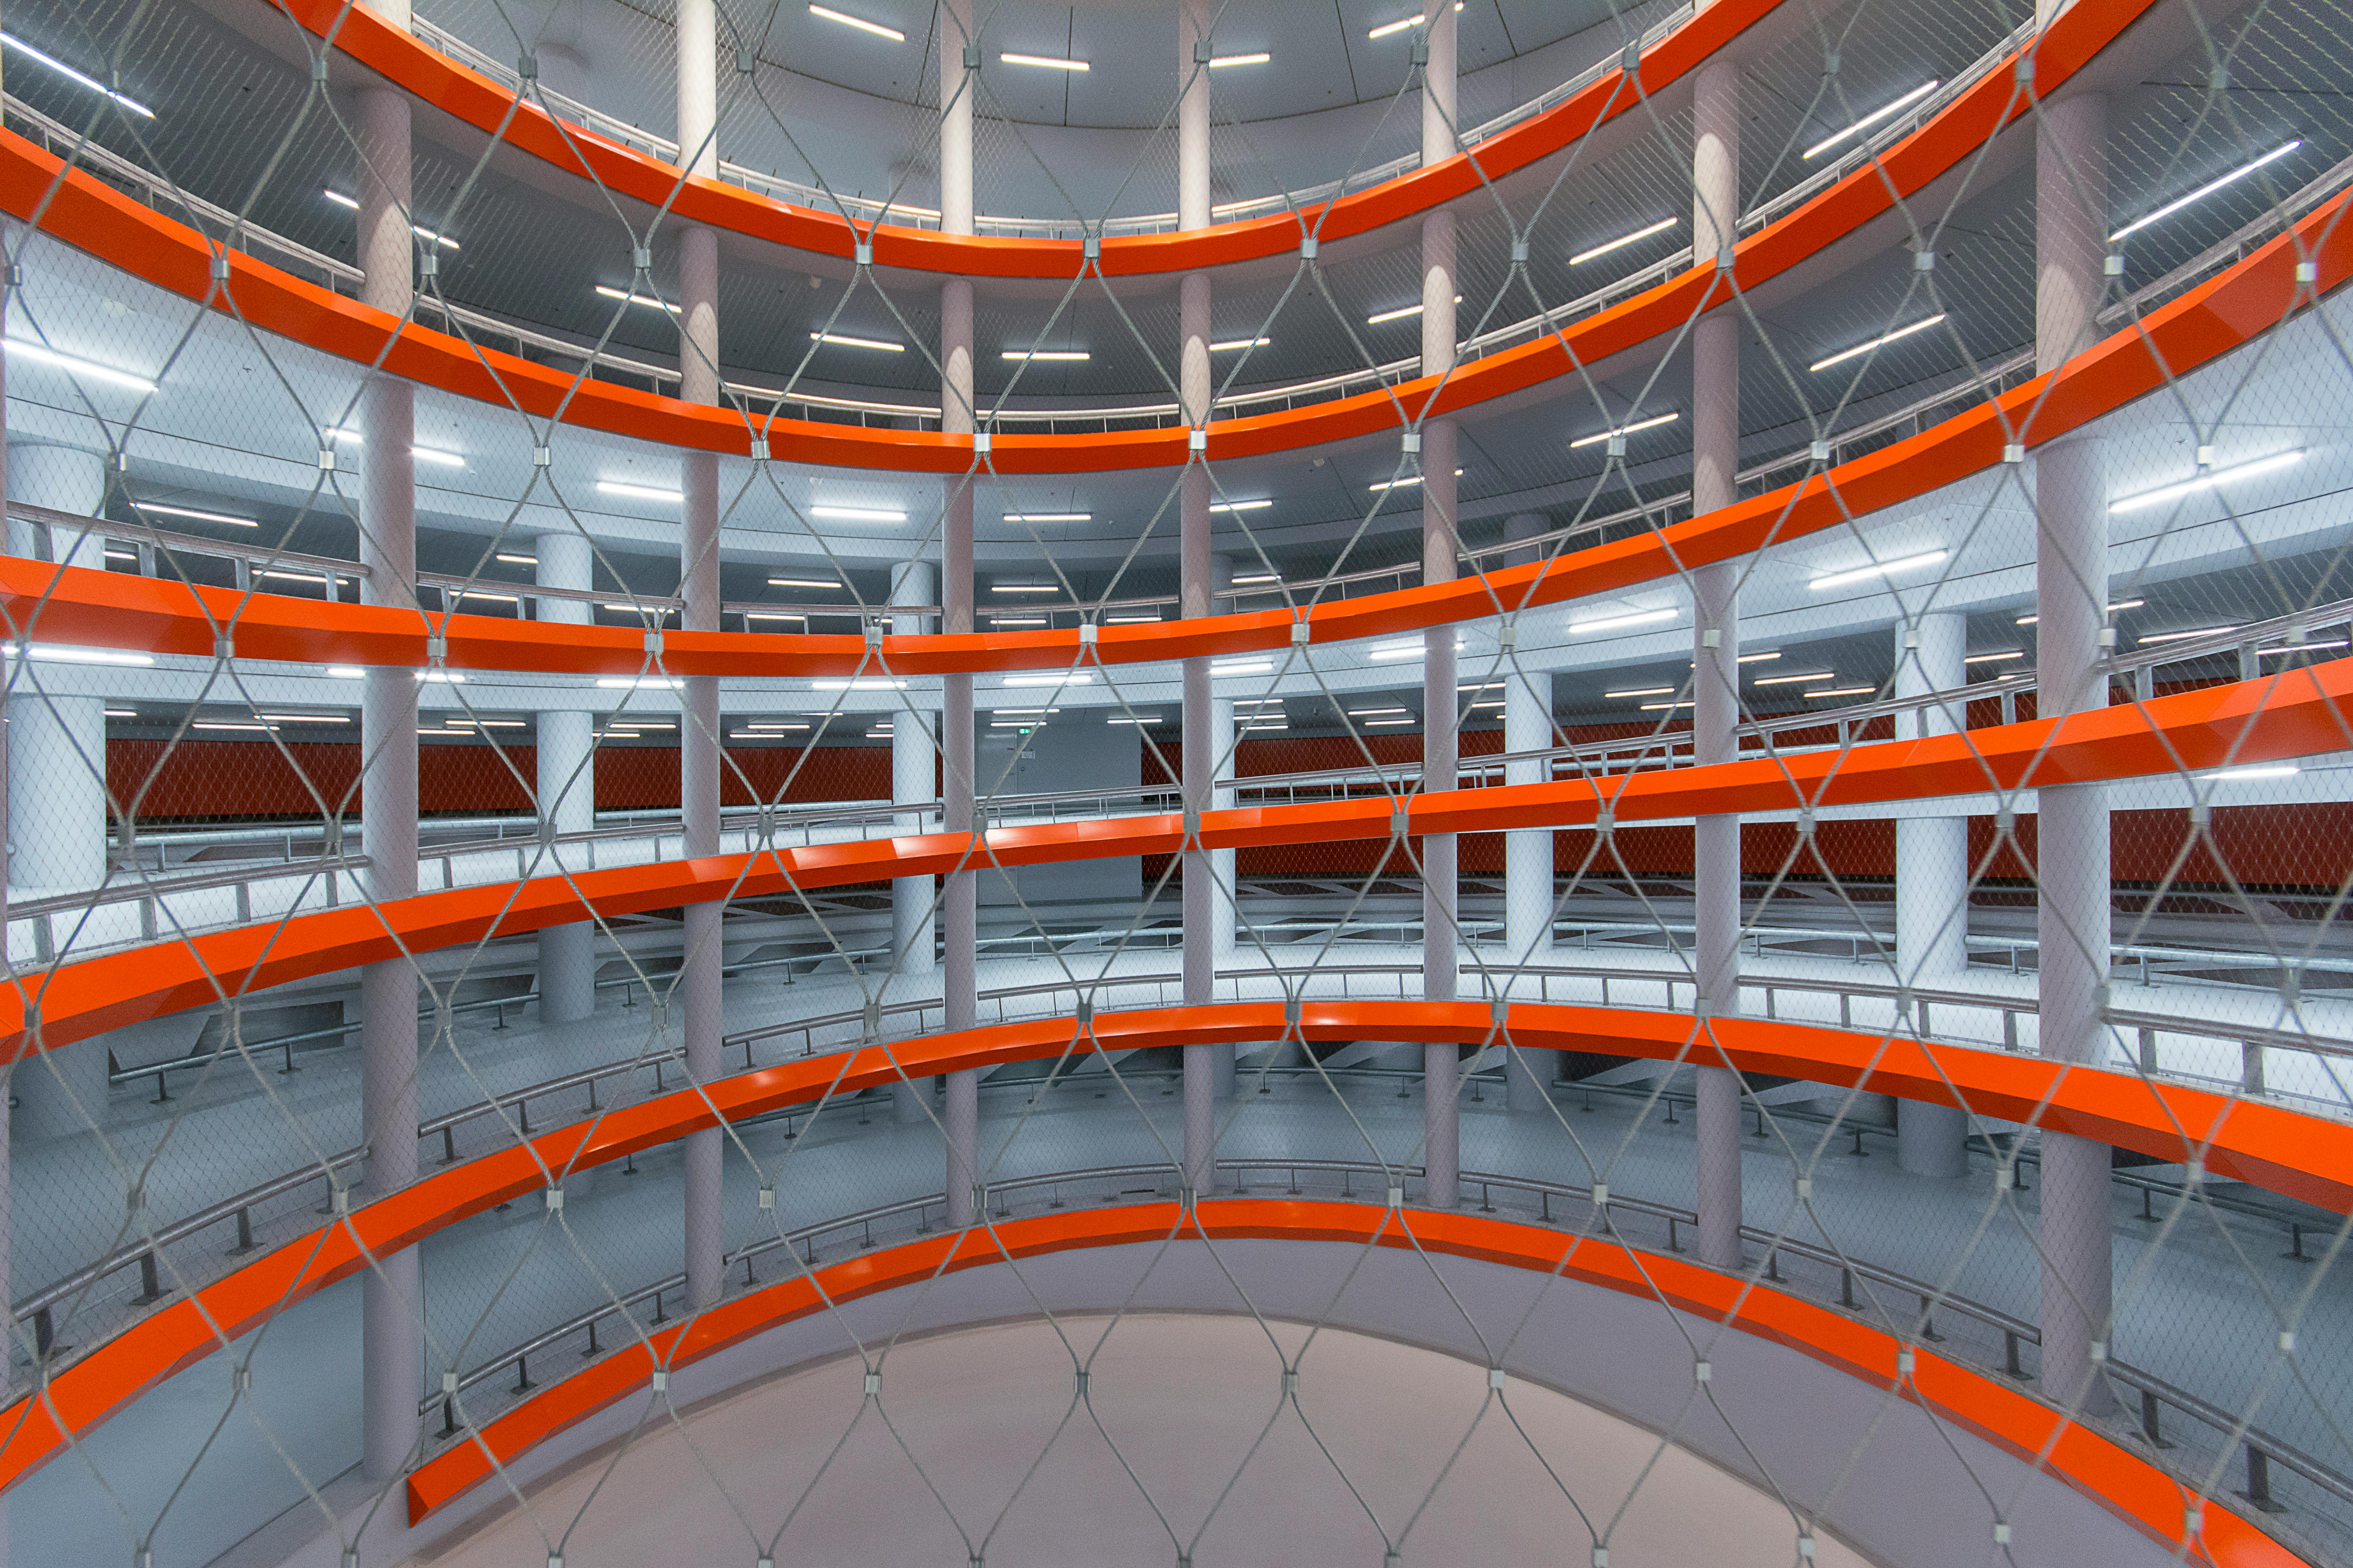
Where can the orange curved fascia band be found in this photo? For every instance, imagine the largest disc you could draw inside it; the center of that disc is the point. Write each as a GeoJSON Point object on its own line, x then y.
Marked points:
{"type": "Point", "coordinates": [2290, 1153]}
{"type": "Point", "coordinates": [2083, 1458]}
{"type": "Point", "coordinates": [2295, 713]}
{"type": "Point", "coordinates": [476, 101]}
{"type": "Point", "coordinates": [71, 205]}
{"type": "Point", "coordinates": [88, 607]}
{"type": "Point", "coordinates": [2303, 1156]}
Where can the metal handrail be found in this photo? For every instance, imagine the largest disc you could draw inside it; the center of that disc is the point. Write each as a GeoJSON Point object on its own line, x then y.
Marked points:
{"type": "Point", "coordinates": [339, 274]}
{"type": "Point", "coordinates": [41, 1305]}
{"type": "Point", "coordinates": [145, 1253]}
{"type": "Point", "coordinates": [801, 1243]}
{"type": "Point", "coordinates": [800, 193]}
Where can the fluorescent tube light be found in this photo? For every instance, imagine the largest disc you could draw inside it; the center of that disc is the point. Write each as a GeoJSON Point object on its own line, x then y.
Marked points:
{"type": "Point", "coordinates": [1613, 622]}
{"type": "Point", "coordinates": [419, 229]}
{"type": "Point", "coordinates": [1220, 62]}
{"type": "Point", "coordinates": [1073, 678]}
{"type": "Point", "coordinates": [1239, 505]}
{"type": "Point", "coordinates": [78, 78]}
{"type": "Point", "coordinates": [1400, 314]}
{"type": "Point", "coordinates": [2185, 636]}
{"type": "Point", "coordinates": [627, 298]}
{"type": "Point", "coordinates": [858, 514]}
{"type": "Point", "coordinates": [2208, 189]}
{"type": "Point", "coordinates": [1664, 224]}
{"type": "Point", "coordinates": [1874, 117]}
{"type": "Point", "coordinates": [1796, 679]}
{"type": "Point", "coordinates": [60, 653]}
{"type": "Point", "coordinates": [862, 684]}
{"type": "Point", "coordinates": [1845, 354]}
{"type": "Point", "coordinates": [161, 510]}
{"type": "Point", "coordinates": [1048, 62]}
{"type": "Point", "coordinates": [845, 340]}
{"type": "Point", "coordinates": [1879, 569]}
{"type": "Point", "coordinates": [1401, 484]}
{"type": "Point", "coordinates": [2119, 605]}
{"type": "Point", "coordinates": [1400, 25]}
{"type": "Point", "coordinates": [1642, 691]}
{"type": "Point", "coordinates": [2207, 481]}
{"type": "Point", "coordinates": [1057, 356]}
{"type": "Point", "coordinates": [1640, 424]}
{"type": "Point", "coordinates": [422, 454]}
{"type": "Point", "coordinates": [1231, 344]}
{"type": "Point", "coordinates": [863, 25]}
{"type": "Point", "coordinates": [802, 582]}
{"type": "Point", "coordinates": [73, 366]}
{"type": "Point", "coordinates": [1049, 517]}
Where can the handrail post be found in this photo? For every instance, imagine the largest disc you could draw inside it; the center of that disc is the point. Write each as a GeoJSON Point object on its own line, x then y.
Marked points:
{"type": "Point", "coordinates": [2259, 1479]}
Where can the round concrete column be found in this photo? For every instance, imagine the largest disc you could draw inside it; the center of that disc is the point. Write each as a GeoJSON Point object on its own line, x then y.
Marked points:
{"type": "Point", "coordinates": [1932, 884]}
{"type": "Point", "coordinates": [915, 781]}
{"type": "Point", "coordinates": [567, 791]}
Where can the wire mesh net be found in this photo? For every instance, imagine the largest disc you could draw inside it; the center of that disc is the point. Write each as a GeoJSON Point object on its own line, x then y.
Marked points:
{"type": "Point", "coordinates": [1852, 895]}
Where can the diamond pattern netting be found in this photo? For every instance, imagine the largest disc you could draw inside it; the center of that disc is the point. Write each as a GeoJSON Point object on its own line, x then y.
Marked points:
{"type": "Point", "coordinates": [157, 801]}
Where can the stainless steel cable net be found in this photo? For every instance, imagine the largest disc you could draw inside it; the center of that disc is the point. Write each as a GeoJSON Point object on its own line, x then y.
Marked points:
{"type": "Point", "coordinates": [1924, 228]}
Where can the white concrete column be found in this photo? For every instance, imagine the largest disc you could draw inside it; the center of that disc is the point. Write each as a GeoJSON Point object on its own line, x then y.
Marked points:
{"type": "Point", "coordinates": [698, 87]}
{"type": "Point", "coordinates": [959, 82]}
{"type": "Point", "coordinates": [1528, 873]}
{"type": "Point", "coordinates": [1716, 710]}
{"type": "Point", "coordinates": [1440, 704]}
{"type": "Point", "coordinates": [392, 1299]}
{"type": "Point", "coordinates": [57, 799]}
{"type": "Point", "coordinates": [1205, 741]}
{"type": "Point", "coordinates": [567, 781]}
{"type": "Point", "coordinates": [1932, 883]}
{"type": "Point", "coordinates": [702, 1019]}
{"type": "Point", "coordinates": [914, 770]}
{"type": "Point", "coordinates": [1225, 913]}
{"type": "Point", "coordinates": [1528, 852]}
{"type": "Point", "coordinates": [2072, 920]}
{"type": "Point", "coordinates": [959, 898]}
